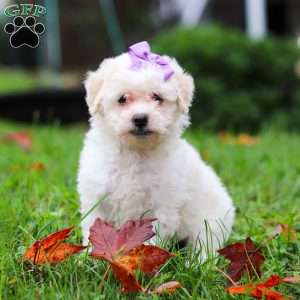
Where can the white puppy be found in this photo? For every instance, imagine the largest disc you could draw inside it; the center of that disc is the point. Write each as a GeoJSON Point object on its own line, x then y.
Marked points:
{"type": "Point", "coordinates": [134, 152]}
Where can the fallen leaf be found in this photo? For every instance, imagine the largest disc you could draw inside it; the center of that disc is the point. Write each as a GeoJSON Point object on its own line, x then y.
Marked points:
{"type": "Point", "coordinates": [273, 280]}
{"type": "Point", "coordinates": [240, 289]}
{"type": "Point", "coordinates": [168, 287]}
{"type": "Point", "coordinates": [294, 279]}
{"type": "Point", "coordinates": [124, 250]}
{"type": "Point", "coordinates": [52, 248]}
{"type": "Point", "coordinates": [267, 294]}
{"type": "Point", "coordinates": [129, 283]}
{"type": "Point", "coordinates": [285, 230]}
{"type": "Point", "coordinates": [146, 258]}
{"type": "Point", "coordinates": [108, 242]}
{"type": "Point", "coordinates": [244, 257]}
{"type": "Point", "coordinates": [37, 166]}
{"type": "Point", "coordinates": [52, 239]}
{"type": "Point", "coordinates": [57, 254]}
{"type": "Point", "coordinates": [244, 139]}
{"type": "Point", "coordinates": [263, 290]}
{"type": "Point", "coordinates": [22, 138]}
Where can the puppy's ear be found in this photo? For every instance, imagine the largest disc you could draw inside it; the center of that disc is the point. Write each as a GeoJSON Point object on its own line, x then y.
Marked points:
{"type": "Point", "coordinates": [185, 91]}
{"type": "Point", "coordinates": [93, 84]}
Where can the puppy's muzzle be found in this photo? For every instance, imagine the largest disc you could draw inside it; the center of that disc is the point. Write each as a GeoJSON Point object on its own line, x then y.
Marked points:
{"type": "Point", "coordinates": [140, 122]}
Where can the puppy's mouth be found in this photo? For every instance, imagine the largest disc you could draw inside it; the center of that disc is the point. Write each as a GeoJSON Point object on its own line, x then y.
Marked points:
{"type": "Point", "coordinates": [141, 133]}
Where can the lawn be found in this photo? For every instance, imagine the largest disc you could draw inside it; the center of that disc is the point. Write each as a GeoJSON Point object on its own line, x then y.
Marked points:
{"type": "Point", "coordinates": [15, 80]}
{"type": "Point", "coordinates": [263, 179]}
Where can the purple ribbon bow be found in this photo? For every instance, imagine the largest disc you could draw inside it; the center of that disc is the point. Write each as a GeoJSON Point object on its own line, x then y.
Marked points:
{"type": "Point", "coordinates": [141, 54]}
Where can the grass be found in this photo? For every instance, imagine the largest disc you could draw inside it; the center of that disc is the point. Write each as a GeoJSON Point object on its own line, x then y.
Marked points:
{"type": "Point", "coordinates": [15, 80]}
{"type": "Point", "coordinates": [264, 181]}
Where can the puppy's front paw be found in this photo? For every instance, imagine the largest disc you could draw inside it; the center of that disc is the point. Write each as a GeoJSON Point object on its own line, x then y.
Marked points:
{"type": "Point", "coordinates": [154, 241]}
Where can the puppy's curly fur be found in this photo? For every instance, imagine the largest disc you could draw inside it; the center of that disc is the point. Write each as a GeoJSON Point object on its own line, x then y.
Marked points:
{"type": "Point", "coordinates": [146, 166]}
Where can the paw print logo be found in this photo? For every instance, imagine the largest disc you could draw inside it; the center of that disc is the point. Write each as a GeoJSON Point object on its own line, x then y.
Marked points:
{"type": "Point", "coordinates": [24, 32]}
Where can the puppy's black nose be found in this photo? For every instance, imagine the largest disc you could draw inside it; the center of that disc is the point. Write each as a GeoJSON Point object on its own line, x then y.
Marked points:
{"type": "Point", "coordinates": [140, 120]}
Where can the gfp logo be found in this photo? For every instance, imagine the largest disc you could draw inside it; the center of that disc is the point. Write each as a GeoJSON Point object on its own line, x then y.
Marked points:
{"type": "Point", "coordinates": [24, 30]}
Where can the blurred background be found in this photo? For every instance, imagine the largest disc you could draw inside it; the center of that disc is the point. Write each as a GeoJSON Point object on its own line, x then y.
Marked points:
{"type": "Point", "coordinates": [244, 56]}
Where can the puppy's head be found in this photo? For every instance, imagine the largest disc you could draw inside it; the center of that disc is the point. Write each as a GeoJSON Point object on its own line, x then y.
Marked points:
{"type": "Point", "coordinates": [139, 105]}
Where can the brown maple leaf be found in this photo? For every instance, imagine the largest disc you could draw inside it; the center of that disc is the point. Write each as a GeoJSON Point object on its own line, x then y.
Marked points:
{"type": "Point", "coordinates": [52, 248]}
{"type": "Point", "coordinates": [22, 138]}
{"type": "Point", "coordinates": [263, 290]}
{"type": "Point", "coordinates": [167, 287]}
{"type": "Point", "coordinates": [123, 249]}
{"type": "Point", "coordinates": [244, 257]}
{"type": "Point", "coordinates": [37, 166]}
{"type": "Point", "coordinates": [285, 230]}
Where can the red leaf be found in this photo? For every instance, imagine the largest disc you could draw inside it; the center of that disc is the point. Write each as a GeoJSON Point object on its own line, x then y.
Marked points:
{"type": "Point", "coordinates": [125, 252]}
{"type": "Point", "coordinates": [273, 280]}
{"type": "Point", "coordinates": [244, 257]}
{"type": "Point", "coordinates": [168, 287]}
{"type": "Point", "coordinates": [48, 242]}
{"type": "Point", "coordinates": [146, 258]}
{"type": "Point", "coordinates": [51, 249]}
{"type": "Point", "coordinates": [22, 138]}
{"type": "Point", "coordinates": [128, 281]}
{"type": "Point", "coordinates": [263, 290]}
{"type": "Point", "coordinates": [135, 232]}
{"type": "Point", "coordinates": [152, 258]}
{"type": "Point", "coordinates": [240, 289]}
{"type": "Point", "coordinates": [56, 254]}
{"type": "Point", "coordinates": [259, 292]}
{"type": "Point", "coordinates": [266, 293]}
{"type": "Point", "coordinates": [103, 238]}
{"type": "Point", "coordinates": [109, 243]}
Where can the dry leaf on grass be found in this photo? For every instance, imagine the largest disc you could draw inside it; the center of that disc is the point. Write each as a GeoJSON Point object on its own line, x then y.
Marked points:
{"type": "Point", "coordinates": [243, 139]}
{"type": "Point", "coordinates": [108, 242]}
{"type": "Point", "coordinates": [168, 288]}
{"type": "Point", "coordinates": [285, 230]}
{"type": "Point", "coordinates": [244, 257]}
{"type": "Point", "coordinates": [246, 139]}
{"type": "Point", "coordinates": [21, 138]}
{"type": "Point", "coordinates": [37, 166]}
{"type": "Point", "coordinates": [263, 289]}
{"type": "Point", "coordinates": [146, 258]}
{"type": "Point", "coordinates": [127, 279]}
{"type": "Point", "coordinates": [52, 248]}
{"type": "Point", "coordinates": [124, 250]}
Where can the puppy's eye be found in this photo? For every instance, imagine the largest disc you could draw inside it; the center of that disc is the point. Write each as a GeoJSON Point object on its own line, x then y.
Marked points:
{"type": "Point", "coordinates": [158, 98]}
{"type": "Point", "coordinates": [122, 99]}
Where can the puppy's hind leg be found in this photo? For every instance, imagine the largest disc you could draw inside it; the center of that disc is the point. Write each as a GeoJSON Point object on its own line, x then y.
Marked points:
{"type": "Point", "coordinates": [208, 237]}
